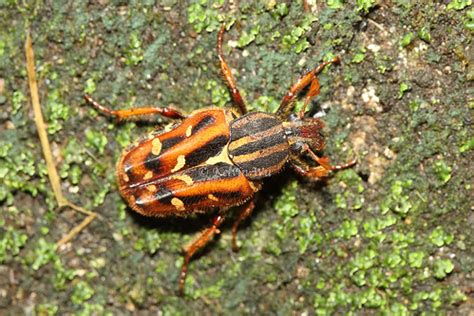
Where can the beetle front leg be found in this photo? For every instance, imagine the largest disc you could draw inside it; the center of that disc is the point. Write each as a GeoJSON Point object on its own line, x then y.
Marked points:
{"type": "Point", "coordinates": [198, 243]}
{"type": "Point", "coordinates": [245, 212]}
{"type": "Point", "coordinates": [306, 171]}
{"type": "Point", "coordinates": [318, 172]}
{"type": "Point", "coordinates": [287, 103]}
{"type": "Point", "coordinates": [314, 90]}
{"type": "Point", "coordinates": [121, 115]}
{"type": "Point", "coordinates": [324, 161]}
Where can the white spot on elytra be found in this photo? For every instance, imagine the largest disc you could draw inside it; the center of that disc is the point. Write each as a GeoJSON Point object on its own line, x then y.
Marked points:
{"type": "Point", "coordinates": [151, 188]}
{"type": "Point", "coordinates": [181, 161]}
{"type": "Point", "coordinates": [185, 178]}
{"type": "Point", "coordinates": [125, 177]}
{"type": "Point", "coordinates": [189, 130]}
{"type": "Point", "coordinates": [156, 146]}
{"type": "Point", "coordinates": [212, 197]}
{"type": "Point", "coordinates": [178, 204]}
{"type": "Point", "coordinates": [148, 175]}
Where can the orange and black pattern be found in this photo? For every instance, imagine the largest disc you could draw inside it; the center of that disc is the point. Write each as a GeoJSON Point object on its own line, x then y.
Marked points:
{"type": "Point", "coordinates": [258, 145]}
{"type": "Point", "coordinates": [183, 170]}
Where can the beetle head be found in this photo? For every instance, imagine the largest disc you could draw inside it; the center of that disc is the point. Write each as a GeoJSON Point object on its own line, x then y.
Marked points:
{"type": "Point", "coordinates": [306, 130]}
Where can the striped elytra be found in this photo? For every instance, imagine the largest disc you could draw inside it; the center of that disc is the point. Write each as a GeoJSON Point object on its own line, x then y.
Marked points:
{"type": "Point", "coordinates": [258, 145]}
{"type": "Point", "coordinates": [184, 170]}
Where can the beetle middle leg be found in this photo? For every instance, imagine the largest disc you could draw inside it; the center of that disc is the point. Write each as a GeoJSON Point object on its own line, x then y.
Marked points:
{"type": "Point", "coordinates": [287, 103]}
{"type": "Point", "coordinates": [136, 112]}
{"type": "Point", "coordinates": [226, 72]}
{"type": "Point", "coordinates": [244, 212]}
{"type": "Point", "coordinates": [198, 243]}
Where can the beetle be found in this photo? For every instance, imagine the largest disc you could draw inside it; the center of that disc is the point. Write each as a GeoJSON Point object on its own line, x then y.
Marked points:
{"type": "Point", "coordinates": [216, 158]}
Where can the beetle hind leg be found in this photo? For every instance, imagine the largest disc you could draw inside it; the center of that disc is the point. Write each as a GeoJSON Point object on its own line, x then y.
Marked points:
{"type": "Point", "coordinates": [198, 243]}
{"type": "Point", "coordinates": [245, 212]}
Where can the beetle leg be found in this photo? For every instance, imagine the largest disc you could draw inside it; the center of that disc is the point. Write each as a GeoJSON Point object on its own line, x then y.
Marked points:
{"type": "Point", "coordinates": [320, 171]}
{"type": "Point", "coordinates": [311, 172]}
{"type": "Point", "coordinates": [136, 112]}
{"type": "Point", "coordinates": [198, 243]}
{"type": "Point", "coordinates": [307, 171]}
{"type": "Point", "coordinates": [306, 6]}
{"type": "Point", "coordinates": [226, 72]}
{"type": "Point", "coordinates": [324, 161]}
{"type": "Point", "coordinates": [287, 103]}
{"type": "Point", "coordinates": [314, 90]}
{"type": "Point", "coordinates": [245, 212]}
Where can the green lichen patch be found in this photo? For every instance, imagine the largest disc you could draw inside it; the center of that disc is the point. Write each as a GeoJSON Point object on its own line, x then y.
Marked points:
{"type": "Point", "coordinates": [399, 199]}
{"type": "Point", "coordinates": [82, 292]}
{"type": "Point", "coordinates": [469, 20]}
{"type": "Point", "coordinates": [56, 112]}
{"type": "Point", "coordinates": [443, 171]}
{"type": "Point", "coordinates": [442, 267]}
{"type": "Point", "coordinates": [205, 15]}
{"type": "Point", "coordinates": [218, 92]}
{"type": "Point", "coordinates": [295, 40]}
{"type": "Point", "coordinates": [365, 5]}
{"type": "Point", "coordinates": [424, 34]}
{"type": "Point", "coordinates": [359, 56]}
{"type": "Point", "coordinates": [11, 242]}
{"type": "Point", "coordinates": [248, 37]}
{"type": "Point", "coordinates": [287, 208]}
{"type": "Point", "coordinates": [439, 237]}
{"type": "Point", "coordinates": [134, 52]}
{"type": "Point", "coordinates": [459, 4]}
{"type": "Point", "coordinates": [407, 39]}
{"type": "Point", "coordinates": [335, 4]}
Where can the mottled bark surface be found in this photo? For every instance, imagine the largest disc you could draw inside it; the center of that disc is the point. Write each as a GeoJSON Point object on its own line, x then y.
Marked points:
{"type": "Point", "coordinates": [393, 234]}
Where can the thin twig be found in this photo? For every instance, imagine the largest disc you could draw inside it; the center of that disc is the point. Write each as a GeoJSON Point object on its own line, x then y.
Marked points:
{"type": "Point", "coordinates": [38, 116]}
{"type": "Point", "coordinates": [43, 136]}
{"type": "Point", "coordinates": [379, 26]}
{"type": "Point", "coordinates": [76, 230]}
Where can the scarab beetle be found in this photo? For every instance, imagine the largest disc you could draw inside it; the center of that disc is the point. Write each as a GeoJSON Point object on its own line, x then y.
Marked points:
{"type": "Point", "coordinates": [215, 159]}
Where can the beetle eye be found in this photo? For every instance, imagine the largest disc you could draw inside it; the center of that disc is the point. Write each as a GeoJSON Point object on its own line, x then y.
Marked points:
{"type": "Point", "coordinates": [297, 147]}
{"type": "Point", "coordinates": [293, 117]}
